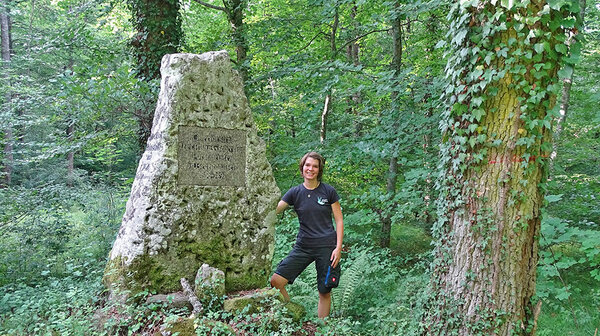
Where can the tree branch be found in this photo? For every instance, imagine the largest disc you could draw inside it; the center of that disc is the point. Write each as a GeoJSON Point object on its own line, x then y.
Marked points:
{"type": "Point", "coordinates": [187, 290]}
{"type": "Point", "coordinates": [361, 36]}
{"type": "Point", "coordinates": [309, 42]}
{"type": "Point", "coordinates": [211, 6]}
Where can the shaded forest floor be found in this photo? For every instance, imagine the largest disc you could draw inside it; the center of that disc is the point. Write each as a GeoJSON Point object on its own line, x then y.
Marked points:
{"type": "Point", "coordinates": [380, 297]}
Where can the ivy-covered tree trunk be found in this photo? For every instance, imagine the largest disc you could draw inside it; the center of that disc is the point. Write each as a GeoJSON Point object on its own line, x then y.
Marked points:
{"type": "Point", "coordinates": [158, 26]}
{"type": "Point", "coordinates": [7, 109]}
{"type": "Point", "coordinates": [502, 70]}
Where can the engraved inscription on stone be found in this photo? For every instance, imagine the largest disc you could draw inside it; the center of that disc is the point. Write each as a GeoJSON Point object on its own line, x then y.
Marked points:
{"type": "Point", "coordinates": [211, 156]}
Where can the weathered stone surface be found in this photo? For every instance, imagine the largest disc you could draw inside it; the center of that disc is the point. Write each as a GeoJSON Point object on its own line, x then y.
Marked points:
{"type": "Point", "coordinates": [264, 299]}
{"type": "Point", "coordinates": [254, 301]}
{"type": "Point", "coordinates": [209, 284]}
{"type": "Point", "coordinates": [172, 300]}
{"type": "Point", "coordinates": [186, 327]}
{"type": "Point", "coordinates": [204, 191]}
{"type": "Point", "coordinates": [295, 310]}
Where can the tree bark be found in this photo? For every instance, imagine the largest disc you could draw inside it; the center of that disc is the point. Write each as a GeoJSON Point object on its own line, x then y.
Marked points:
{"type": "Point", "coordinates": [234, 10]}
{"type": "Point", "coordinates": [352, 54]}
{"type": "Point", "coordinates": [567, 83]}
{"type": "Point", "coordinates": [324, 114]}
{"type": "Point", "coordinates": [392, 174]}
{"type": "Point", "coordinates": [158, 26]}
{"type": "Point", "coordinates": [235, 14]}
{"type": "Point", "coordinates": [70, 153]}
{"type": "Point", "coordinates": [328, 106]}
{"type": "Point", "coordinates": [8, 161]}
{"type": "Point", "coordinates": [486, 254]}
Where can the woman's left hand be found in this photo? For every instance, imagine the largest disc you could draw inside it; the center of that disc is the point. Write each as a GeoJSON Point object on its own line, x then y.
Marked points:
{"type": "Point", "coordinates": [336, 255]}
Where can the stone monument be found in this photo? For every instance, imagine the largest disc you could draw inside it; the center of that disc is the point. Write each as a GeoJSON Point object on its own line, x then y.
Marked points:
{"type": "Point", "coordinates": [204, 192]}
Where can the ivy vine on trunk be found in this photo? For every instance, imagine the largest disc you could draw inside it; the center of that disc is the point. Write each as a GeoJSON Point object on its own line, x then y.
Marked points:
{"type": "Point", "coordinates": [158, 32]}
{"type": "Point", "coordinates": [502, 68]}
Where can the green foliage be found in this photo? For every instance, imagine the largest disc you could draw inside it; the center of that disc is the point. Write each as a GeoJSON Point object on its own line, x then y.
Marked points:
{"type": "Point", "coordinates": [158, 32]}
{"type": "Point", "coordinates": [52, 306]}
{"type": "Point", "coordinates": [56, 230]}
{"type": "Point", "coordinates": [53, 231]}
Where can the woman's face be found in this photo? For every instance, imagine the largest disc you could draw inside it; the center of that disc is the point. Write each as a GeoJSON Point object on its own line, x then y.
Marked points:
{"type": "Point", "coordinates": [310, 170]}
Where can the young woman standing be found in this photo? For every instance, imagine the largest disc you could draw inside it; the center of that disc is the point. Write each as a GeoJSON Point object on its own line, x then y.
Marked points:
{"type": "Point", "coordinates": [314, 203]}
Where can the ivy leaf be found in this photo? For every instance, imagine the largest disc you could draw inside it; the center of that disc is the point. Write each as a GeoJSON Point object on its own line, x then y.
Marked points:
{"type": "Point", "coordinates": [478, 113]}
{"type": "Point", "coordinates": [472, 141]}
{"type": "Point", "coordinates": [475, 102]}
{"type": "Point", "coordinates": [566, 72]}
{"type": "Point", "coordinates": [553, 198]}
{"type": "Point", "coordinates": [561, 48]}
{"type": "Point", "coordinates": [459, 37]}
{"type": "Point", "coordinates": [557, 4]}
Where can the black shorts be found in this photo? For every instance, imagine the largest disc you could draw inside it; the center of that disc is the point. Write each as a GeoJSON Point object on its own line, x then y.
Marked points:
{"type": "Point", "coordinates": [300, 257]}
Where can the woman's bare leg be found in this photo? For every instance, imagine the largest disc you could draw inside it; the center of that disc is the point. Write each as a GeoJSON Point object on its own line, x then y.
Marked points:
{"type": "Point", "coordinates": [324, 305]}
{"type": "Point", "coordinates": [279, 282]}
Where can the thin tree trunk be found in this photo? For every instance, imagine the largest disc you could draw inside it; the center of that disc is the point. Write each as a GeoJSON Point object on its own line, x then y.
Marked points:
{"type": "Point", "coordinates": [70, 131]}
{"type": "Point", "coordinates": [432, 28]}
{"type": "Point", "coordinates": [328, 105]}
{"type": "Point", "coordinates": [234, 10]}
{"type": "Point", "coordinates": [566, 89]}
{"type": "Point", "coordinates": [352, 54]}
{"type": "Point", "coordinates": [71, 153]}
{"type": "Point", "coordinates": [6, 57]}
{"type": "Point", "coordinates": [235, 14]}
{"type": "Point", "coordinates": [21, 111]}
{"type": "Point", "coordinates": [324, 114]}
{"type": "Point", "coordinates": [392, 174]}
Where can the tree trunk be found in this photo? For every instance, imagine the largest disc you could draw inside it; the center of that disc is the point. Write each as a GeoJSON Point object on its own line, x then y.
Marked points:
{"type": "Point", "coordinates": [324, 114]}
{"type": "Point", "coordinates": [328, 106]}
{"type": "Point", "coordinates": [235, 14]}
{"type": "Point", "coordinates": [352, 54]}
{"type": "Point", "coordinates": [71, 153]}
{"type": "Point", "coordinates": [392, 174]}
{"type": "Point", "coordinates": [158, 26]}
{"type": "Point", "coordinates": [494, 154]}
{"type": "Point", "coordinates": [567, 83]}
{"type": "Point", "coordinates": [234, 10]}
{"type": "Point", "coordinates": [432, 25]}
{"type": "Point", "coordinates": [8, 161]}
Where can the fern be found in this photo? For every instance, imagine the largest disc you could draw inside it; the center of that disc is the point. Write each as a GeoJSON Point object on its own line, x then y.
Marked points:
{"type": "Point", "coordinates": [350, 279]}
{"type": "Point", "coordinates": [304, 288]}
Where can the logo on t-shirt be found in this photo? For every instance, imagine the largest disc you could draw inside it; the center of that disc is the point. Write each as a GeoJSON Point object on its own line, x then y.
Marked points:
{"type": "Point", "coordinates": [322, 201]}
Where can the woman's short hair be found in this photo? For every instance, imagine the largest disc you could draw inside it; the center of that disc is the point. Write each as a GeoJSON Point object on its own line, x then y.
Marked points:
{"type": "Point", "coordinates": [316, 156]}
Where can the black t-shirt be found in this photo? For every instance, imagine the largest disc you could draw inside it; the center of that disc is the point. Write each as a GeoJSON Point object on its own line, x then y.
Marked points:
{"type": "Point", "coordinates": [314, 214]}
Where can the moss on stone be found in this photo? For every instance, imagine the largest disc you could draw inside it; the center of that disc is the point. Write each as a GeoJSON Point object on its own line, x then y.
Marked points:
{"type": "Point", "coordinates": [235, 282]}
{"type": "Point", "coordinates": [187, 327]}
{"type": "Point", "coordinates": [162, 273]}
{"type": "Point", "coordinates": [295, 310]}
{"type": "Point", "coordinates": [254, 301]}
{"type": "Point", "coordinates": [183, 327]}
